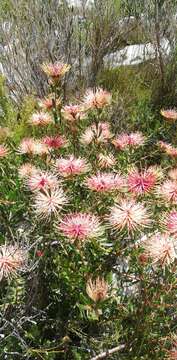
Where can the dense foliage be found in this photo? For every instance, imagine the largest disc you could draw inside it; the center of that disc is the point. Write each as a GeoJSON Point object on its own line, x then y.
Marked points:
{"type": "Point", "coordinates": [88, 228]}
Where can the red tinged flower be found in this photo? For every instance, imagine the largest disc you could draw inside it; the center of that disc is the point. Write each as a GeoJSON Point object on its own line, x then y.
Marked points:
{"type": "Point", "coordinates": [125, 141]}
{"type": "Point", "coordinates": [96, 99]}
{"type": "Point", "coordinates": [161, 248]}
{"type": "Point", "coordinates": [55, 71]}
{"type": "Point", "coordinates": [55, 142]}
{"type": "Point", "coordinates": [105, 182]}
{"type": "Point", "coordinates": [81, 226]}
{"type": "Point", "coordinates": [72, 166]}
{"type": "Point", "coordinates": [4, 151]}
{"type": "Point", "coordinates": [140, 183]}
{"type": "Point", "coordinates": [168, 191]}
{"type": "Point", "coordinates": [170, 222]}
{"type": "Point", "coordinates": [129, 215]}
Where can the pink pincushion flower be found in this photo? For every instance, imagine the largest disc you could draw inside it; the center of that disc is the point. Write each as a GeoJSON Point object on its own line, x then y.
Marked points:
{"type": "Point", "coordinates": [27, 170]}
{"type": "Point", "coordinates": [31, 147]}
{"type": "Point", "coordinates": [170, 114]}
{"type": "Point", "coordinates": [170, 222]}
{"type": "Point", "coordinates": [168, 148]}
{"type": "Point", "coordinates": [129, 215]}
{"type": "Point", "coordinates": [161, 248]}
{"type": "Point", "coordinates": [41, 181]}
{"type": "Point", "coordinates": [55, 142]}
{"type": "Point", "coordinates": [105, 182]}
{"type": "Point", "coordinates": [49, 202]}
{"type": "Point", "coordinates": [106, 161]}
{"type": "Point", "coordinates": [168, 191]}
{"type": "Point", "coordinates": [124, 141]}
{"type": "Point", "coordinates": [55, 71]}
{"type": "Point", "coordinates": [12, 259]}
{"type": "Point", "coordinates": [4, 151]}
{"type": "Point", "coordinates": [142, 182]}
{"type": "Point", "coordinates": [81, 226]}
{"type": "Point", "coordinates": [49, 102]}
{"type": "Point", "coordinates": [27, 146]}
{"type": "Point", "coordinates": [72, 166]}
{"type": "Point", "coordinates": [100, 133]}
{"type": "Point", "coordinates": [73, 112]}
{"type": "Point", "coordinates": [41, 119]}
{"type": "Point", "coordinates": [97, 98]}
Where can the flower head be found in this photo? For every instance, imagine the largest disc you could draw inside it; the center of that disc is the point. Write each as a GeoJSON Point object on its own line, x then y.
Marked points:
{"type": "Point", "coordinates": [124, 141]}
{"type": "Point", "coordinates": [105, 182]}
{"type": "Point", "coordinates": [81, 226]}
{"type": "Point", "coordinates": [41, 119]}
{"type": "Point", "coordinates": [73, 112]}
{"type": "Point", "coordinates": [170, 222]}
{"type": "Point", "coordinates": [99, 133]}
{"type": "Point", "coordinates": [168, 148]}
{"type": "Point", "coordinates": [49, 202]}
{"type": "Point", "coordinates": [12, 259]}
{"type": "Point", "coordinates": [106, 161]}
{"type": "Point", "coordinates": [4, 151]}
{"type": "Point", "coordinates": [142, 182]}
{"type": "Point", "coordinates": [26, 170]}
{"type": "Point", "coordinates": [161, 248]}
{"type": "Point", "coordinates": [55, 71]}
{"type": "Point", "coordinates": [170, 114]}
{"type": "Point", "coordinates": [97, 289]}
{"type": "Point", "coordinates": [42, 180]}
{"type": "Point", "coordinates": [168, 191]}
{"type": "Point", "coordinates": [72, 166]}
{"type": "Point", "coordinates": [129, 215]}
{"type": "Point", "coordinates": [49, 102]}
{"type": "Point", "coordinates": [55, 142]}
{"type": "Point", "coordinates": [27, 146]}
{"type": "Point", "coordinates": [97, 98]}
{"type": "Point", "coordinates": [32, 147]}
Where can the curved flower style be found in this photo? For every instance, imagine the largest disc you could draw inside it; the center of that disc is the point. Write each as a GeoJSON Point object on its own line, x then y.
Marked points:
{"type": "Point", "coordinates": [81, 226]}
{"type": "Point", "coordinates": [41, 119]}
{"type": "Point", "coordinates": [106, 161]}
{"type": "Point", "coordinates": [26, 170]}
{"type": "Point", "coordinates": [72, 166]}
{"type": "Point", "coordinates": [161, 248]}
{"type": "Point", "coordinates": [4, 151]}
{"type": "Point", "coordinates": [55, 142]}
{"type": "Point", "coordinates": [55, 71]}
{"type": "Point", "coordinates": [12, 259]}
{"type": "Point", "coordinates": [99, 133]}
{"type": "Point", "coordinates": [168, 191]}
{"type": "Point", "coordinates": [170, 114]}
{"type": "Point", "coordinates": [124, 141]}
{"type": "Point", "coordinates": [73, 113]}
{"type": "Point", "coordinates": [96, 99]}
{"type": "Point", "coordinates": [105, 182]}
{"type": "Point", "coordinates": [97, 289]}
{"type": "Point", "coordinates": [140, 183]}
{"type": "Point", "coordinates": [48, 203]}
{"type": "Point", "coordinates": [170, 222]}
{"type": "Point", "coordinates": [168, 148]}
{"type": "Point", "coordinates": [42, 181]}
{"type": "Point", "coordinates": [129, 215]}
{"type": "Point", "coordinates": [49, 102]}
